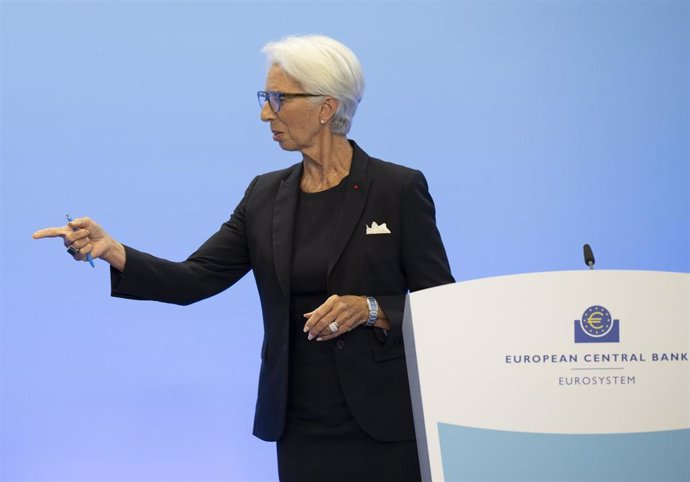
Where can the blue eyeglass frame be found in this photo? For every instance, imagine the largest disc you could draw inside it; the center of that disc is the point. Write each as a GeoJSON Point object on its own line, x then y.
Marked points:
{"type": "Point", "coordinates": [275, 98]}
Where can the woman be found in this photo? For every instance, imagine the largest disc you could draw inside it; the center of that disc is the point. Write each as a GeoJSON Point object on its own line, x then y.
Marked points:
{"type": "Point", "coordinates": [335, 242]}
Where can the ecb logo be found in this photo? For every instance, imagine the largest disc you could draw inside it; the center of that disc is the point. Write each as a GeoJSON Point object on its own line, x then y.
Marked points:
{"type": "Point", "coordinates": [597, 326]}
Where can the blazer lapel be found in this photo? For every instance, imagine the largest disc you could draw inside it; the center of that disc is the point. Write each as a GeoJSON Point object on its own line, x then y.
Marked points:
{"type": "Point", "coordinates": [356, 194]}
{"type": "Point", "coordinates": [283, 226]}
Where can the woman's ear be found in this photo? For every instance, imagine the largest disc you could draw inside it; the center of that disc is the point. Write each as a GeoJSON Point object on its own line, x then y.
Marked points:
{"type": "Point", "coordinates": [328, 108]}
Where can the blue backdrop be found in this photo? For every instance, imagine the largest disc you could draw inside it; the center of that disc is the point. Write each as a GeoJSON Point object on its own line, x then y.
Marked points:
{"type": "Point", "coordinates": [540, 126]}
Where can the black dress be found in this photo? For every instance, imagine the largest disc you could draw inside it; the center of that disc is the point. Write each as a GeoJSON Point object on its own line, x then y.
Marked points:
{"type": "Point", "coordinates": [322, 441]}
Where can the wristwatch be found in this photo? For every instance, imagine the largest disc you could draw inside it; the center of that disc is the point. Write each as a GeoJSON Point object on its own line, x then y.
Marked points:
{"type": "Point", "coordinates": [373, 306]}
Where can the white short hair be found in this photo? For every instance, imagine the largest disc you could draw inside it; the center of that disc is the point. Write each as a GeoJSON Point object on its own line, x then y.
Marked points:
{"type": "Point", "coordinates": [321, 65]}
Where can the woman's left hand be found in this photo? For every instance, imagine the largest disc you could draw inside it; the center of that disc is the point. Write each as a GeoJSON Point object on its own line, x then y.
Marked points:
{"type": "Point", "coordinates": [342, 312]}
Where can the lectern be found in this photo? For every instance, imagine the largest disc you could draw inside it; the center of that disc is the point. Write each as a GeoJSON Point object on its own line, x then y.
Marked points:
{"type": "Point", "coordinates": [576, 375]}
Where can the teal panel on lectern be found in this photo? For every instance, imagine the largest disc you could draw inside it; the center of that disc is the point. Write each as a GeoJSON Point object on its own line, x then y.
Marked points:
{"type": "Point", "coordinates": [479, 454]}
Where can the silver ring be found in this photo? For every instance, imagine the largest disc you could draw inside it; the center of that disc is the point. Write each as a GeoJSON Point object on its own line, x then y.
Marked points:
{"type": "Point", "coordinates": [333, 326]}
{"type": "Point", "coordinates": [73, 251]}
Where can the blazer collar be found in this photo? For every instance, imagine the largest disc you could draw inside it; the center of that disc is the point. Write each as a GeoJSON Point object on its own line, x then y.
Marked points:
{"type": "Point", "coordinates": [283, 226]}
{"type": "Point", "coordinates": [356, 193]}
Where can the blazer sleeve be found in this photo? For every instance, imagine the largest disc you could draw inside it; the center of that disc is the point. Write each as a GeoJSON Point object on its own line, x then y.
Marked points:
{"type": "Point", "coordinates": [219, 263]}
{"type": "Point", "coordinates": [423, 256]}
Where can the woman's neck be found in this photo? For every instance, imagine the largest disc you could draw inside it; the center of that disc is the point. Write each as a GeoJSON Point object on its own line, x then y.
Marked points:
{"type": "Point", "coordinates": [328, 165]}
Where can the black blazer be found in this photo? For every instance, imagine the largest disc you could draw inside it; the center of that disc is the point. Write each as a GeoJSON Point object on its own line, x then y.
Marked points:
{"type": "Point", "coordinates": [259, 237]}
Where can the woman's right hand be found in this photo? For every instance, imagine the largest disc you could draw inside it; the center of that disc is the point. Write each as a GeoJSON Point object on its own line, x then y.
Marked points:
{"type": "Point", "coordinates": [87, 236]}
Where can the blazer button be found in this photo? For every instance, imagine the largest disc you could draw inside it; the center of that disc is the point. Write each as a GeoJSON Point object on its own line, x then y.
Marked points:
{"type": "Point", "coordinates": [340, 344]}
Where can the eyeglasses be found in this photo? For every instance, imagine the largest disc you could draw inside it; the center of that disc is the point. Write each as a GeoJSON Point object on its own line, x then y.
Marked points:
{"type": "Point", "coordinates": [275, 98]}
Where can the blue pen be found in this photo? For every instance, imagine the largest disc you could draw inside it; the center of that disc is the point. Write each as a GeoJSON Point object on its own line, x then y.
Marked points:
{"type": "Point", "coordinates": [88, 255]}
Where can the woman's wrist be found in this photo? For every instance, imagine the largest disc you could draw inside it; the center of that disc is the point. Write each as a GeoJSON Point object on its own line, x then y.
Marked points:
{"type": "Point", "coordinates": [381, 320]}
{"type": "Point", "coordinates": [115, 255]}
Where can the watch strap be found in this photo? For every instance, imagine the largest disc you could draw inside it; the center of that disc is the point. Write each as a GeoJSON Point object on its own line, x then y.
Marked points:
{"type": "Point", "coordinates": [373, 306]}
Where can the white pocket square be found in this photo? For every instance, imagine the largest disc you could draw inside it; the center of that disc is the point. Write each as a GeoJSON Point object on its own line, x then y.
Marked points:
{"type": "Point", "coordinates": [376, 228]}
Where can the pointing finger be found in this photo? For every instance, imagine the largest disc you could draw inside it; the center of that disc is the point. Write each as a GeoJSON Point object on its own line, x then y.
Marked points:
{"type": "Point", "coordinates": [51, 233]}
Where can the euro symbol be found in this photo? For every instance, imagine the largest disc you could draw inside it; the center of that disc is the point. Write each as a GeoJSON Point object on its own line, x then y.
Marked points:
{"type": "Point", "coordinates": [594, 320]}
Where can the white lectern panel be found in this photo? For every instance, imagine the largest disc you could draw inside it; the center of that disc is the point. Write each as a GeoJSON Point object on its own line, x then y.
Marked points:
{"type": "Point", "coordinates": [546, 374]}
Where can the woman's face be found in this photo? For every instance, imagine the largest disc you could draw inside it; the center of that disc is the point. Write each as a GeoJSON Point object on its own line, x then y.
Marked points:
{"type": "Point", "coordinates": [296, 126]}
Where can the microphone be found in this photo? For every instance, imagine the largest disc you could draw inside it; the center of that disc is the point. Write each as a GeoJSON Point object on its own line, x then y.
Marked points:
{"type": "Point", "coordinates": [589, 256]}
